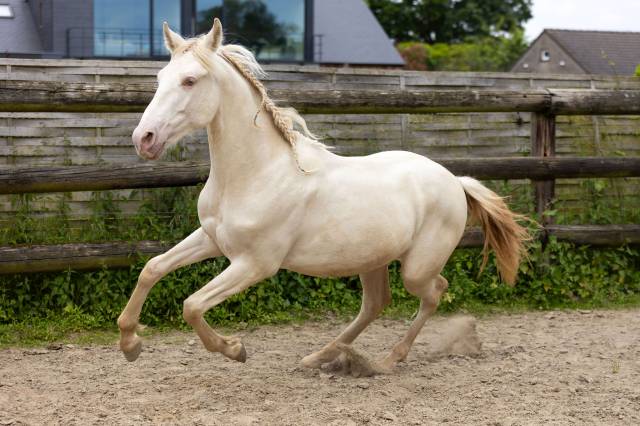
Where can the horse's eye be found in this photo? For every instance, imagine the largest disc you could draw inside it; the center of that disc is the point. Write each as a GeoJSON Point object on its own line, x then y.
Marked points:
{"type": "Point", "coordinates": [189, 82]}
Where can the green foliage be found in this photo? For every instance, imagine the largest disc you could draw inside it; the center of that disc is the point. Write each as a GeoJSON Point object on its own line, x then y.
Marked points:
{"type": "Point", "coordinates": [638, 71]}
{"type": "Point", "coordinates": [601, 203]}
{"type": "Point", "coordinates": [475, 54]}
{"type": "Point", "coordinates": [166, 214]}
{"type": "Point", "coordinates": [414, 55]}
{"type": "Point", "coordinates": [560, 276]}
{"type": "Point", "coordinates": [449, 21]}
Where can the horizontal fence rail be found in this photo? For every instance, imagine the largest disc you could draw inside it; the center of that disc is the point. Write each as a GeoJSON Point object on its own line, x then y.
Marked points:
{"type": "Point", "coordinates": [64, 96]}
{"type": "Point", "coordinates": [152, 175]}
{"type": "Point", "coordinates": [90, 256]}
{"type": "Point", "coordinates": [77, 256]}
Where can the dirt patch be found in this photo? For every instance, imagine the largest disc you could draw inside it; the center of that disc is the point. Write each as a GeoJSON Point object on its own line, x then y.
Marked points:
{"type": "Point", "coordinates": [577, 367]}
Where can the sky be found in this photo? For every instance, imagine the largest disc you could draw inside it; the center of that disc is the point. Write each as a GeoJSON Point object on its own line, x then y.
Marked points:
{"type": "Point", "coordinates": [612, 15]}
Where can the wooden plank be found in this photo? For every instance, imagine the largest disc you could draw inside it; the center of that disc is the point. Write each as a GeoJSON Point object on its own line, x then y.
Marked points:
{"type": "Point", "coordinates": [543, 145]}
{"type": "Point", "coordinates": [543, 168]}
{"type": "Point", "coordinates": [23, 96]}
{"type": "Point", "coordinates": [16, 95]}
{"type": "Point", "coordinates": [30, 95]}
{"type": "Point", "coordinates": [590, 102]}
{"type": "Point", "coordinates": [596, 235]}
{"type": "Point", "coordinates": [91, 178]}
{"type": "Point", "coordinates": [76, 256]}
{"type": "Point", "coordinates": [86, 256]}
{"type": "Point", "coordinates": [15, 180]}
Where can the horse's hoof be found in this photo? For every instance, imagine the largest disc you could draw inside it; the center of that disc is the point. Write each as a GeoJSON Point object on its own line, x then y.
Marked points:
{"type": "Point", "coordinates": [311, 361]}
{"type": "Point", "coordinates": [238, 353]}
{"type": "Point", "coordinates": [323, 356]}
{"type": "Point", "coordinates": [242, 356]}
{"type": "Point", "coordinates": [132, 351]}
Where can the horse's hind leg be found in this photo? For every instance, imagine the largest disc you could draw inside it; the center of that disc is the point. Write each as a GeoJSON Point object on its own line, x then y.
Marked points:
{"type": "Point", "coordinates": [429, 290]}
{"type": "Point", "coordinates": [420, 272]}
{"type": "Point", "coordinates": [376, 294]}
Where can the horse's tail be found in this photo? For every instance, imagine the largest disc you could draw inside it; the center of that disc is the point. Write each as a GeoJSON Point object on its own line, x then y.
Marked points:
{"type": "Point", "coordinates": [502, 232]}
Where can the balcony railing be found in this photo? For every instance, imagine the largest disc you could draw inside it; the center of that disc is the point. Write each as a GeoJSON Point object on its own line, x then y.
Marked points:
{"type": "Point", "coordinates": [90, 42]}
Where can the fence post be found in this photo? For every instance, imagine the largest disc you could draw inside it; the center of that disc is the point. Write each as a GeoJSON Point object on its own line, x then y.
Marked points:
{"type": "Point", "coordinates": [543, 144]}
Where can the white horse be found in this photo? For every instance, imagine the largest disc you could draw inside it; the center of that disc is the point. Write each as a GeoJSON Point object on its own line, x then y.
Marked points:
{"type": "Point", "coordinates": [276, 198]}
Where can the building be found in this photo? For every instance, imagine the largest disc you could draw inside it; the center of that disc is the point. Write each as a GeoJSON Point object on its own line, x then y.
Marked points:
{"type": "Point", "coordinates": [298, 31]}
{"type": "Point", "coordinates": [582, 52]}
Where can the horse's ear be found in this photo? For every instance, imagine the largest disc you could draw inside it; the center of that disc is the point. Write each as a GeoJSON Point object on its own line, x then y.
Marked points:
{"type": "Point", "coordinates": [213, 39]}
{"type": "Point", "coordinates": [171, 40]}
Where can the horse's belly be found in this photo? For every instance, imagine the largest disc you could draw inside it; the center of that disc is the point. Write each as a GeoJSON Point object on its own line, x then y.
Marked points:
{"type": "Point", "coordinates": [348, 248]}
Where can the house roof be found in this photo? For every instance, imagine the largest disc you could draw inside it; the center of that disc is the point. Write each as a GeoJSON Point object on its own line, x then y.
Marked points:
{"type": "Point", "coordinates": [18, 35]}
{"type": "Point", "coordinates": [600, 52]}
{"type": "Point", "coordinates": [347, 32]}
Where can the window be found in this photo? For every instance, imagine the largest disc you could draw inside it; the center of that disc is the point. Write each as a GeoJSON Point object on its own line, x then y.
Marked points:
{"type": "Point", "coordinates": [272, 29]}
{"type": "Point", "coordinates": [545, 56]}
{"type": "Point", "coordinates": [164, 10]}
{"type": "Point", "coordinates": [6, 11]}
{"type": "Point", "coordinates": [119, 29]}
{"type": "Point", "coordinates": [124, 29]}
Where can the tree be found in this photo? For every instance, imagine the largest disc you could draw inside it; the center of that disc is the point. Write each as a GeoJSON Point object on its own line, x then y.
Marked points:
{"type": "Point", "coordinates": [449, 21]}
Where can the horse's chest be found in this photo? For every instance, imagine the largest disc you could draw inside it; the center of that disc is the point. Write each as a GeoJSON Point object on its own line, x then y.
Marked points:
{"type": "Point", "coordinates": [233, 224]}
{"type": "Point", "coordinates": [209, 209]}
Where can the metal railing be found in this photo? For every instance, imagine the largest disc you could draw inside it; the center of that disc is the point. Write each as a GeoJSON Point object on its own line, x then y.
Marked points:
{"type": "Point", "coordinates": [90, 42]}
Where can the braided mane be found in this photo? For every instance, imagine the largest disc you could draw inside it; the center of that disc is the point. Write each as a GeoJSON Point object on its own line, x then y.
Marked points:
{"type": "Point", "coordinates": [245, 62]}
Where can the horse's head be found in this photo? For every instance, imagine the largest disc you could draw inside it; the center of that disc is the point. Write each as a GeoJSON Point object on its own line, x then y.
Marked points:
{"type": "Point", "coordinates": [188, 93]}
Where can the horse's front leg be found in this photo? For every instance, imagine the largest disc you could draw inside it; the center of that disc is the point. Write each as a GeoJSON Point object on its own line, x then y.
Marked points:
{"type": "Point", "coordinates": [195, 248]}
{"type": "Point", "coordinates": [241, 274]}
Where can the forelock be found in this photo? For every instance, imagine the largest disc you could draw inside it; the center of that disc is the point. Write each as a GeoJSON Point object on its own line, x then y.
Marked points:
{"type": "Point", "coordinates": [200, 52]}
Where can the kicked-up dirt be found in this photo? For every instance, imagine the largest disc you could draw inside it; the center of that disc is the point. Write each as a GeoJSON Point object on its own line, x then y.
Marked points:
{"type": "Point", "coordinates": [569, 367]}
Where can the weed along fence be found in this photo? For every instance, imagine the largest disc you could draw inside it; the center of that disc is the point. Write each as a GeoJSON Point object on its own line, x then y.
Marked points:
{"type": "Point", "coordinates": [403, 108]}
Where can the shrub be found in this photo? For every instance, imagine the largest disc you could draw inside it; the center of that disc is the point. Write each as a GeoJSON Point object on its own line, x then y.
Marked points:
{"type": "Point", "coordinates": [475, 54]}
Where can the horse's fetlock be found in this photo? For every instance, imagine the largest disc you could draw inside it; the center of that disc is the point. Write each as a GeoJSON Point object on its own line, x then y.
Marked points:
{"type": "Point", "coordinates": [125, 324]}
{"type": "Point", "coordinates": [400, 351]}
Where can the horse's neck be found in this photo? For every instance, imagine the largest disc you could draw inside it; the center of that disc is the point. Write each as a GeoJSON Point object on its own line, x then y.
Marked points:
{"type": "Point", "coordinates": [239, 149]}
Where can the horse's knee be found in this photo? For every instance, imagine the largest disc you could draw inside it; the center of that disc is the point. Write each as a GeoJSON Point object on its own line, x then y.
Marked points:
{"type": "Point", "coordinates": [152, 272]}
{"type": "Point", "coordinates": [191, 311]}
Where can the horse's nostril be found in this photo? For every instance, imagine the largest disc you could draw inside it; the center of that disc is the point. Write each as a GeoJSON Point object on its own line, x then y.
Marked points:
{"type": "Point", "coordinates": [147, 139]}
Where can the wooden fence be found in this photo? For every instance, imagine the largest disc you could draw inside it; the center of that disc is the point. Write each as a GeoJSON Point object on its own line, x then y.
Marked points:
{"type": "Point", "coordinates": [329, 91]}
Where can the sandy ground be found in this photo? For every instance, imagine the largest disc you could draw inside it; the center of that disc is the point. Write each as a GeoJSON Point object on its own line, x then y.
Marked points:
{"type": "Point", "coordinates": [578, 367]}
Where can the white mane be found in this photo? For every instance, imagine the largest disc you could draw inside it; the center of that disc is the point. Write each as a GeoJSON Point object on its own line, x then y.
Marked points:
{"type": "Point", "coordinates": [245, 62]}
